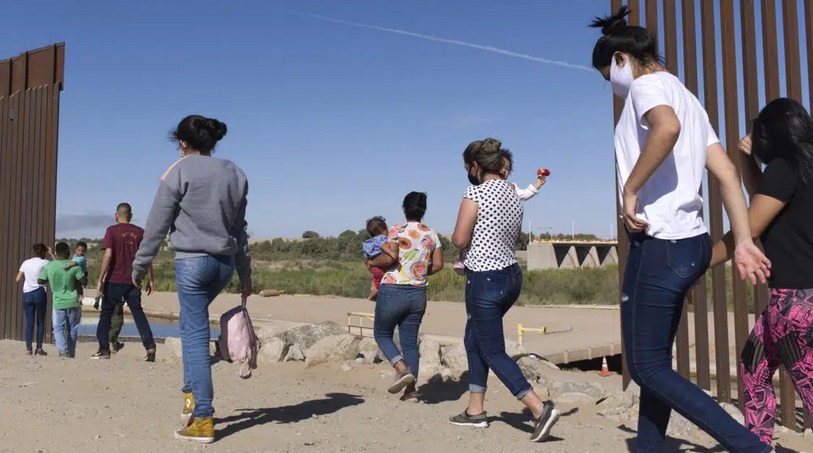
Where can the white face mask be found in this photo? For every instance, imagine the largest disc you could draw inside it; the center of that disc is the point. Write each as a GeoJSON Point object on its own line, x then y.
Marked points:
{"type": "Point", "coordinates": [621, 78]}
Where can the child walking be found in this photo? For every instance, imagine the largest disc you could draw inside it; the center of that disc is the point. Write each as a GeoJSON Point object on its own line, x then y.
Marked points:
{"type": "Point", "coordinates": [67, 311]}
{"type": "Point", "coordinates": [523, 194]}
{"type": "Point", "coordinates": [377, 227]}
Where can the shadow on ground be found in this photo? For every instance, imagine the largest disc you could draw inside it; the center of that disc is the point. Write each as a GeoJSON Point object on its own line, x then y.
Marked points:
{"type": "Point", "coordinates": [249, 418]}
{"type": "Point", "coordinates": [437, 390]}
{"type": "Point", "coordinates": [672, 444]}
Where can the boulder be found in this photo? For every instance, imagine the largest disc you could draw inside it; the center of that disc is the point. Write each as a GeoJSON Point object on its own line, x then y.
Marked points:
{"type": "Point", "coordinates": [595, 391]}
{"type": "Point", "coordinates": [429, 351]}
{"type": "Point", "coordinates": [514, 349]}
{"type": "Point", "coordinates": [532, 369]}
{"type": "Point", "coordinates": [295, 354]}
{"type": "Point", "coordinates": [308, 335]}
{"type": "Point", "coordinates": [734, 412]}
{"type": "Point", "coordinates": [273, 351]}
{"type": "Point", "coordinates": [455, 359]}
{"type": "Point", "coordinates": [335, 348]}
{"type": "Point", "coordinates": [574, 398]}
{"type": "Point", "coordinates": [368, 350]}
{"type": "Point", "coordinates": [679, 426]}
{"type": "Point", "coordinates": [173, 347]}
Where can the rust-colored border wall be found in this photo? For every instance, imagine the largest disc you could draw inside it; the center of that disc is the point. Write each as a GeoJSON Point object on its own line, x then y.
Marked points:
{"type": "Point", "coordinates": [29, 116]}
{"type": "Point", "coordinates": [737, 56]}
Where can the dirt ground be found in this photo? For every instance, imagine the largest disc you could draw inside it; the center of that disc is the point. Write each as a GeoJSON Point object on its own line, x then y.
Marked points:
{"type": "Point", "coordinates": [126, 405]}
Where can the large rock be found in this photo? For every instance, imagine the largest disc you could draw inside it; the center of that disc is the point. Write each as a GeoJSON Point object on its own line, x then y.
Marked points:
{"type": "Point", "coordinates": [632, 395]}
{"type": "Point", "coordinates": [272, 351]}
{"type": "Point", "coordinates": [734, 412]}
{"type": "Point", "coordinates": [295, 354]}
{"type": "Point", "coordinates": [308, 335]}
{"type": "Point", "coordinates": [173, 347]}
{"type": "Point", "coordinates": [368, 349]}
{"type": "Point", "coordinates": [679, 426]}
{"type": "Point", "coordinates": [532, 369]}
{"type": "Point", "coordinates": [514, 349]}
{"type": "Point", "coordinates": [595, 391]}
{"type": "Point", "coordinates": [334, 348]}
{"type": "Point", "coordinates": [455, 359]}
{"type": "Point", "coordinates": [430, 357]}
{"type": "Point", "coordinates": [574, 398]}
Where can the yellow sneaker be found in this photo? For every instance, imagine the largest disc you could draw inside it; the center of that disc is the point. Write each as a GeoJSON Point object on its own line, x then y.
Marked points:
{"type": "Point", "coordinates": [201, 430]}
{"type": "Point", "coordinates": [188, 406]}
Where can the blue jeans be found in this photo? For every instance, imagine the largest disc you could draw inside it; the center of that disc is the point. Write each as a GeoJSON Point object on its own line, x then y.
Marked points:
{"type": "Point", "coordinates": [400, 306]}
{"type": "Point", "coordinates": [71, 317]}
{"type": "Point", "coordinates": [199, 281]}
{"type": "Point", "coordinates": [489, 296]}
{"type": "Point", "coordinates": [34, 303]}
{"type": "Point", "coordinates": [114, 293]}
{"type": "Point", "coordinates": [659, 273]}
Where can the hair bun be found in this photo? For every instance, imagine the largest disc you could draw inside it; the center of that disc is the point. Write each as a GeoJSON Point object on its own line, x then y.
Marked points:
{"type": "Point", "coordinates": [216, 128]}
{"type": "Point", "coordinates": [610, 24]}
{"type": "Point", "coordinates": [491, 145]}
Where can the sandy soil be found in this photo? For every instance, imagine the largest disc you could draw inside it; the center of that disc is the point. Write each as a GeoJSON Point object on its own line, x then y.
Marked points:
{"type": "Point", "coordinates": [125, 405]}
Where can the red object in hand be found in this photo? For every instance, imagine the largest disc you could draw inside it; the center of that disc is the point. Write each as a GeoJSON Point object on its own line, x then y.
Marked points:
{"type": "Point", "coordinates": [543, 172]}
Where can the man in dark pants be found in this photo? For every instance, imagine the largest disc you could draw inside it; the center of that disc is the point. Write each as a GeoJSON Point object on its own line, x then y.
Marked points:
{"type": "Point", "coordinates": [120, 244]}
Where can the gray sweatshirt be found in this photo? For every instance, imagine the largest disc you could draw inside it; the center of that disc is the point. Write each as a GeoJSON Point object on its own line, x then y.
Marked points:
{"type": "Point", "coordinates": [201, 202]}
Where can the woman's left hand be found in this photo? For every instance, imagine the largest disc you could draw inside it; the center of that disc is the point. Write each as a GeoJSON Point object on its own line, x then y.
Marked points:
{"type": "Point", "coordinates": [631, 220]}
{"type": "Point", "coordinates": [752, 263]}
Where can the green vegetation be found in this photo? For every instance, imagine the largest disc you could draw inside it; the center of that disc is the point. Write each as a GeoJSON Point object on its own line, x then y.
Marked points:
{"type": "Point", "coordinates": [332, 266]}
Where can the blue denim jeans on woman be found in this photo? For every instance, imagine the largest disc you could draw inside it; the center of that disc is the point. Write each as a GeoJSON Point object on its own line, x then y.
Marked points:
{"type": "Point", "coordinates": [70, 317]}
{"type": "Point", "coordinates": [489, 296]}
{"type": "Point", "coordinates": [400, 306]}
{"type": "Point", "coordinates": [658, 275]}
{"type": "Point", "coordinates": [199, 280]}
{"type": "Point", "coordinates": [34, 303]}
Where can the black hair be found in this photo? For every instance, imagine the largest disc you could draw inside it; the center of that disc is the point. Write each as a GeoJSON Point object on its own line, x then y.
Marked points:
{"type": "Point", "coordinates": [82, 244]}
{"type": "Point", "coordinates": [783, 129]}
{"type": "Point", "coordinates": [124, 209]}
{"type": "Point", "coordinates": [636, 41]}
{"type": "Point", "coordinates": [200, 133]}
{"type": "Point", "coordinates": [62, 250]}
{"type": "Point", "coordinates": [40, 250]}
{"type": "Point", "coordinates": [377, 226]}
{"type": "Point", "coordinates": [415, 206]}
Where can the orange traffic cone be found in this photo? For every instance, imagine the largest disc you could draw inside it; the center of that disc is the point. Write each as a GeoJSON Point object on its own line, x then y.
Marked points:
{"type": "Point", "coordinates": [605, 370]}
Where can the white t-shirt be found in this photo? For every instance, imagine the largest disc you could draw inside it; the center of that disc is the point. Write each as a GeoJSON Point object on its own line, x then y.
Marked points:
{"type": "Point", "coordinates": [499, 220]}
{"type": "Point", "coordinates": [669, 201]}
{"type": "Point", "coordinates": [32, 268]}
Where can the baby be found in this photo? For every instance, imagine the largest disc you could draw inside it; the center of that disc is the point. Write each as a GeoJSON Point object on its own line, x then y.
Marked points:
{"type": "Point", "coordinates": [523, 194]}
{"type": "Point", "coordinates": [79, 260]}
{"type": "Point", "coordinates": [377, 227]}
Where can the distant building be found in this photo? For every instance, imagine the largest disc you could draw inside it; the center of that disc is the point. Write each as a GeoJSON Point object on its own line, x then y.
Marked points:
{"type": "Point", "coordinates": [571, 255]}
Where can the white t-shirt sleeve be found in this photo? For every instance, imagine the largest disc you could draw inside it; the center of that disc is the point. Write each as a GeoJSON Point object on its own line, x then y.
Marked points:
{"type": "Point", "coordinates": [712, 137]}
{"type": "Point", "coordinates": [647, 93]}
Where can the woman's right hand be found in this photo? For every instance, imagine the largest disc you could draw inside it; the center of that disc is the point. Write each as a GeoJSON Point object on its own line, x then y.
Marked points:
{"type": "Point", "coordinates": [248, 290]}
{"type": "Point", "coordinates": [745, 145]}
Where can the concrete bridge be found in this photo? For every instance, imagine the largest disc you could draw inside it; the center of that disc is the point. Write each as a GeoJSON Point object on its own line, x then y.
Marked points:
{"type": "Point", "coordinates": [570, 255]}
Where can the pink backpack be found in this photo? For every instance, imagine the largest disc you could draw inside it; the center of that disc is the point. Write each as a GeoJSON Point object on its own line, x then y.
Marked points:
{"type": "Point", "coordinates": [238, 342]}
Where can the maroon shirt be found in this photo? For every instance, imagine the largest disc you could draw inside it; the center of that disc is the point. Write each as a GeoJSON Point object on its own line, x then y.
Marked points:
{"type": "Point", "coordinates": [123, 239]}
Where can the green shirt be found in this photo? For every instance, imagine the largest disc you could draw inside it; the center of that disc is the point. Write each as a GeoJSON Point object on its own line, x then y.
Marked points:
{"type": "Point", "coordinates": [62, 283]}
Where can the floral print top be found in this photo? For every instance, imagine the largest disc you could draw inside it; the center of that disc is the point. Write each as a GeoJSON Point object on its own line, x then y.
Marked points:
{"type": "Point", "coordinates": [416, 243]}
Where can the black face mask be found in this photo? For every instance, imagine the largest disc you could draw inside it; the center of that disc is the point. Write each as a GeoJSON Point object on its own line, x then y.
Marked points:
{"type": "Point", "coordinates": [473, 179]}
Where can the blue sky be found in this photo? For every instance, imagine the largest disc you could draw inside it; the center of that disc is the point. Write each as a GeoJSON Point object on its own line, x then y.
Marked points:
{"type": "Point", "coordinates": [332, 122]}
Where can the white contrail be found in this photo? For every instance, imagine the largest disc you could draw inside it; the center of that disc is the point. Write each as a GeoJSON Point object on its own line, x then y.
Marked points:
{"type": "Point", "coordinates": [453, 41]}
